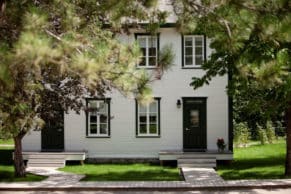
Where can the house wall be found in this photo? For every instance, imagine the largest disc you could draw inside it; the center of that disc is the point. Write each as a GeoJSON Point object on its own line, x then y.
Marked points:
{"type": "Point", "coordinates": [174, 85]}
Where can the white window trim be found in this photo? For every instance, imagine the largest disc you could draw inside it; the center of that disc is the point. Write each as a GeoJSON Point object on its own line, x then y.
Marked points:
{"type": "Point", "coordinates": [193, 50]}
{"type": "Point", "coordinates": [147, 51]}
{"type": "Point", "coordinates": [148, 134]}
{"type": "Point", "coordinates": [98, 134]}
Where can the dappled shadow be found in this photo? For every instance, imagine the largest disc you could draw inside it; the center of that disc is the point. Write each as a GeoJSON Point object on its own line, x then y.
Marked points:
{"type": "Point", "coordinates": [6, 156]}
{"type": "Point", "coordinates": [132, 175]}
{"type": "Point", "coordinates": [7, 175]}
{"type": "Point", "coordinates": [259, 168]}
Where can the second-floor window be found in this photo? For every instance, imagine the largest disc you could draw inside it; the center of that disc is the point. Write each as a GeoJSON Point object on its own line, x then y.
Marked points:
{"type": "Point", "coordinates": [193, 50]}
{"type": "Point", "coordinates": [149, 49]}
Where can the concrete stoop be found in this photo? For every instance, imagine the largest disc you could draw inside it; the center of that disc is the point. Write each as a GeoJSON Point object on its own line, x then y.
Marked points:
{"type": "Point", "coordinates": [42, 160]}
{"type": "Point", "coordinates": [197, 162]}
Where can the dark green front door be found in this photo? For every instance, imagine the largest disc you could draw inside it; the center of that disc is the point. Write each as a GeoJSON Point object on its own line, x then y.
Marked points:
{"type": "Point", "coordinates": [194, 124]}
{"type": "Point", "coordinates": [52, 135]}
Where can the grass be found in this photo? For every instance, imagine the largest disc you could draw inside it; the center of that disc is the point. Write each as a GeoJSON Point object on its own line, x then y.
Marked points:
{"type": "Point", "coordinates": [6, 144]}
{"type": "Point", "coordinates": [124, 172]}
{"type": "Point", "coordinates": [256, 162]}
{"type": "Point", "coordinates": [7, 169]}
{"type": "Point", "coordinates": [7, 175]}
{"type": "Point", "coordinates": [7, 141]}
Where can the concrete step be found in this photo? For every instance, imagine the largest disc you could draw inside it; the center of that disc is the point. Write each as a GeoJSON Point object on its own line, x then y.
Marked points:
{"type": "Point", "coordinates": [46, 162]}
{"type": "Point", "coordinates": [45, 156]}
{"type": "Point", "coordinates": [197, 162]}
{"type": "Point", "coordinates": [209, 165]}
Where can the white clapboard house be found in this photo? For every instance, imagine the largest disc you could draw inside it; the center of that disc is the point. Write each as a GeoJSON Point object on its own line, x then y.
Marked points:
{"type": "Point", "coordinates": [180, 124]}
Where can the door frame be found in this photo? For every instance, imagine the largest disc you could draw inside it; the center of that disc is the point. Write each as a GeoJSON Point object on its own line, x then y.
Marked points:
{"type": "Point", "coordinates": [63, 139]}
{"type": "Point", "coordinates": [204, 99]}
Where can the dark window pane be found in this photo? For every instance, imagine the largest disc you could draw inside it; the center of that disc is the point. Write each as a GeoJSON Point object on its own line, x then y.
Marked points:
{"type": "Point", "coordinates": [198, 50]}
{"type": "Point", "coordinates": [103, 118]}
{"type": "Point", "coordinates": [152, 51]}
{"type": "Point", "coordinates": [189, 60]}
{"type": "Point", "coordinates": [142, 128]}
{"type": "Point", "coordinates": [103, 128]}
{"type": "Point", "coordinates": [188, 50]}
{"type": "Point", "coordinates": [188, 41]}
{"type": "Point", "coordinates": [198, 60]}
{"type": "Point", "coordinates": [93, 128]}
{"type": "Point", "coordinates": [143, 51]}
{"type": "Point", "coordinates": [153, 128]}
{"type": "Point", "coordinates": [153, 118]}
{"type": "Point", "coordinates": [93, 119]}
{"type": "Point", "coordinates": [152, 61]}
{"type": "Point", "coordinates": [143, 119]}
{"type": "Point", "coordinates": [143, 61]}
{"type": "Point", "coordinates": [199, 41]}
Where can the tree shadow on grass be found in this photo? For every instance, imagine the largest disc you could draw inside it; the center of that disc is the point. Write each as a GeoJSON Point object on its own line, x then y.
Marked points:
{"type": "Point", "coordinates": [132, 175]}
{"type": "Point", "coordinates": [254, 168]}
{"type": "Point", "coordinates": [6, 156]}
{"type": "Point", "coordinates": [7, 175]}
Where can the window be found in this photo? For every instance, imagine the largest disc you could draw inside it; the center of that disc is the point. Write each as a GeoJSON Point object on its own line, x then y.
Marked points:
{"type": "Point", "coordinates": [149, 46]}
{"type": "Point", "coordinates": [193, 51]}
{"type": "Point", "coordinates": [148, 119]}
{"type": "Point", "coordinates": [98, 117]}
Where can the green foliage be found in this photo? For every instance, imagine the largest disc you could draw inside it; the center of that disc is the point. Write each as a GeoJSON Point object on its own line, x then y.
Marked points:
{"type": "Point", "coordinates": [54, 53]}
{"type": "Point", "coordinates": [262, 136]}
{"type": "Point", "coordinates": [270, 132]}
{"type": "Point", "coordinates": [241, 135]}
{"type": "Point", "coordinates": [252, 44]}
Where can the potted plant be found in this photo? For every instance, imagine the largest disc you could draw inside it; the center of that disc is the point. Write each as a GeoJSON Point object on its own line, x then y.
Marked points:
{"type": "Point", "coordinates": [220, 144]}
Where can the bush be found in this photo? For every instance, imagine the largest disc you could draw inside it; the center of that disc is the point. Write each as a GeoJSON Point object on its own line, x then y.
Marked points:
{"type": "Point", "coordinates": [270, 132]}
{"type": "Point", "coordinates": [262, 135]}
{"type": "Point", "coordinates": [241, 134]}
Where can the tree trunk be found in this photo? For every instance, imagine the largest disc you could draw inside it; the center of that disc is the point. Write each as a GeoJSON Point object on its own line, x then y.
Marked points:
{"type": "Point", "coordinates": [288, 141]}
{"type": "Point", "coordinates": [19, 166]}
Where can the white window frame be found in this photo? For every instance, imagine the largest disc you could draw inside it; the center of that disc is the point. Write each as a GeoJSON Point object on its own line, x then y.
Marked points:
{"type": "Point", "coordinates": [193, 50]}
{"type": "Point", "coordinates": [98, 134]}
{"type": "Point", "coordinates": [148, 123]}
{"type": "Point", "coordinates": [147, 37]}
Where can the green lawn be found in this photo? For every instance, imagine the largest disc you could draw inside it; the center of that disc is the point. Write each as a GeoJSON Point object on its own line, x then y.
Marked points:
{"type": "Point", "coordinates": [7, 175]}
{"type": "Point", "coordinates": [256, 162]}
{"type": "Point", "coordinates": [124, 172]}
{"type": "Point", "coordinates": [7, 169]}
{"type": "Point", "coordinates": [7, 141]}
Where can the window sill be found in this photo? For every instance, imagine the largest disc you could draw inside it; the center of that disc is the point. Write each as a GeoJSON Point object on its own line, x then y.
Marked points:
{"type": "Point", "coordinates": [147, 136]}
{"type": "Point", "coordinates": [150, 68]}
{"type": "Point", "coordinates": [191, 67]}
{"type": "Point", "coordinates": [98, 136]}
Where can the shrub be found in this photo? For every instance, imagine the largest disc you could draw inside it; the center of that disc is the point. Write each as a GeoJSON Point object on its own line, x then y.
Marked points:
{"type": "Point", "coordinates": [262, 135]}
{"type": "Point", "coordinates": [241, 134]}
{"type": "Point", "coordinates": [270, 132]}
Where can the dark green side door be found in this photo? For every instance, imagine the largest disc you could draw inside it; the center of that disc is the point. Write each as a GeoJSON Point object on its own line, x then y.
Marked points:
{"type": "Point", "coordinates": [194, 124]}
{"type": "Point", "coordinates": [52, 135]}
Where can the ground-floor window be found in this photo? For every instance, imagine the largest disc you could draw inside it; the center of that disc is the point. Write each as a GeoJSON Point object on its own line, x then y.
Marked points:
{"type": "Point", "coordinates": [148, 119]}
{"type": "Point", "coordinates": [98, 118]}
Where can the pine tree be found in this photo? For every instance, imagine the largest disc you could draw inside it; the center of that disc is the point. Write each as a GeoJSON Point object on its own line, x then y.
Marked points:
{"type": "Point", "coordinates": [252, 42]}
{"type": "Point", "coordinates": [53, 53]}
